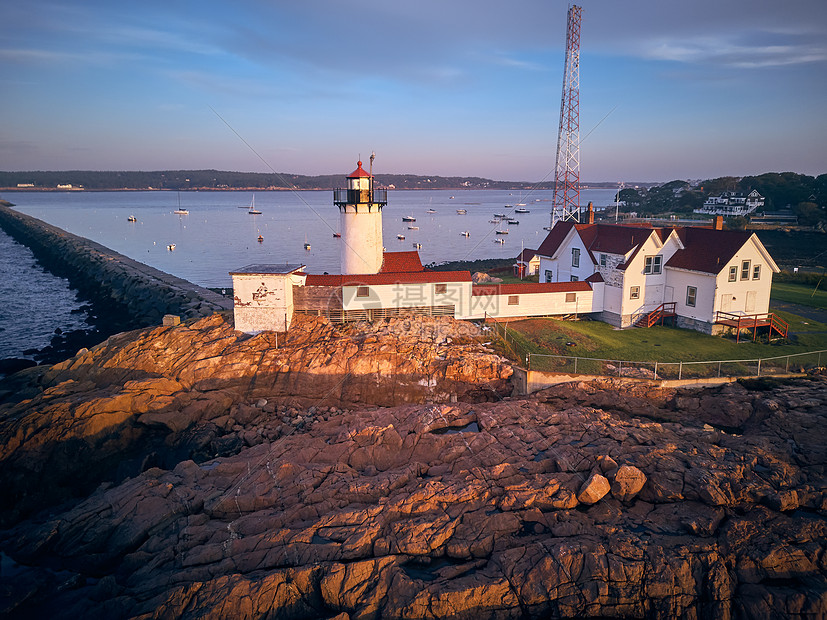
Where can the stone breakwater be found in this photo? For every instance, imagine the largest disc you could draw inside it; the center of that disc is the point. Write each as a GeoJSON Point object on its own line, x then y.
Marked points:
{"type": "Point", "coordinates": [108, 277]}
{"type": "Point", "coordinates": [354, 501]}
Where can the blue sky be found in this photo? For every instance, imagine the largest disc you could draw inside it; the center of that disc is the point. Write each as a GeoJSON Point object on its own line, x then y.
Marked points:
{"type": "Point", "coordinates": [667, 89]}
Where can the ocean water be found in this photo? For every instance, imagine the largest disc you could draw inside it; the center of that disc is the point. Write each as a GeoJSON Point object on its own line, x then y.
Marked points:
{"type": "Point", "coordinates": [219, 235]}
{"type": "Point", "coordinates": [35, 302]}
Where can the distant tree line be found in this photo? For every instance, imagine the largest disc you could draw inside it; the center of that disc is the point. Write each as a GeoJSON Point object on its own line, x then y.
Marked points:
{"type": "Point", "coordinates": [221, 179]}
{"type": "Point", "coordinates": [805, 195]}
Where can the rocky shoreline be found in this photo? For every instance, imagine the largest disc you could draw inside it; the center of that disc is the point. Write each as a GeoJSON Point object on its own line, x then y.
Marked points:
{"type": "Point", "coordinates": [383, 471]}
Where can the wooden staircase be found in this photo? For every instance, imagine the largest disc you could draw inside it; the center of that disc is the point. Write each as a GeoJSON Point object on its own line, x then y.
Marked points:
{"type": "Point", "coordinates": [658, 315]}
{"type": "Point", "coordinates": [741, 322]}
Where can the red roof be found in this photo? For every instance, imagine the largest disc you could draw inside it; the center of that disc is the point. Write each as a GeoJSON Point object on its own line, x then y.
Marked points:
{"type": "Point", "coordinates": [707, 250]}
{"type": "Point", "coordinates": [526, 255]}
{"type": "Point", "coordinates": [519, 288]}
{"type": "Point", "coordinates": [359, 172]}
{"type": "Point", "coordinates": [554, 238]}
{"type": "Point", "coordinates": [417, 277]}
{"type": "Point", "coordinates": [401, 262]}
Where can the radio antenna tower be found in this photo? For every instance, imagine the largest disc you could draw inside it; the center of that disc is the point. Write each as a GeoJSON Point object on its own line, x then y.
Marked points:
{"type": "Point", "coordinates": [566, 200]}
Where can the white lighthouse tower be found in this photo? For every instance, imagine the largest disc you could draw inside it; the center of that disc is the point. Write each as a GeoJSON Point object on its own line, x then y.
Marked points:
{"type": "Point", "coordinates": [360, 217]}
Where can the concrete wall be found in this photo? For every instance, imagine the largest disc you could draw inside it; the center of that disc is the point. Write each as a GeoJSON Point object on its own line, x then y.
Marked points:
{"type": "Point", "coordinates": [262, 302]}
{"type": "Point", "coordinates": [107, 277]}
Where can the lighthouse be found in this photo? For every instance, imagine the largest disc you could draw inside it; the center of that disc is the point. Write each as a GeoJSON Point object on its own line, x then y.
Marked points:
{"type": "Point", "coordinates": [360, 219]}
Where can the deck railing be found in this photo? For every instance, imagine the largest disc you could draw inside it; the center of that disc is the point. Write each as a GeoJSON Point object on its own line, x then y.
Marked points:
{"type": "Point", "coordinates": [753, 322]}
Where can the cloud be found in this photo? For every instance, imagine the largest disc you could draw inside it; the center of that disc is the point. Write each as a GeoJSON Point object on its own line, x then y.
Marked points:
{"type": "Point", "coordinates": [723, 52]}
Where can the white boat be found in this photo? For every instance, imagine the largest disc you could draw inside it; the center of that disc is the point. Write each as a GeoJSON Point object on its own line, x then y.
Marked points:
{"type": "Point", "coordinates": [400, 236]}
{"type": "Point", "coordinates": [431, 211]}
{"type": "Point", "coordinates": [413, 227]}
{"type": "Point", "coordinates": [500, 215]}
{"type": "Point", "coordinates": [171, 247]}
{"type": "Point", "coordinates": [252, 210]}
{"type": "Point", "coordinates": [521, 210]}
{"type": "Point", "coordinates": [520, 204]}
{"type": "Point", "coordinates": [500, 241]}
{"type": "Point", "coordinates": [501, 232]}
{"type": "Point", "coordinates": [179, 210]}
{"type": "Point", "coordinates": [132, 218]}
{"type": "Point", "coordinates": [465, 233]}
{"type": "Point", "coordinates": [462, 211]}
{"type": "Point", "coordinates": [408, 218]}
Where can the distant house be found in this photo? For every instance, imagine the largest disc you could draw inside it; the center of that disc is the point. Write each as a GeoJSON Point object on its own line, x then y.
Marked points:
{"type": "Point", "coordinates": [696, 271]}
{"type": "Point", "coordinates": [731, 204]}
{"type": "Point", "coordinates": [527, 263]}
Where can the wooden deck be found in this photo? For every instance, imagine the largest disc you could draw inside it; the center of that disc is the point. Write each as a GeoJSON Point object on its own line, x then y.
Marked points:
{"type": "Point", "coordinates": [746, 322]}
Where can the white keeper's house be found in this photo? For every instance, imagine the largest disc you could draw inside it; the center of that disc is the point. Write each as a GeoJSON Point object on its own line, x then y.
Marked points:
{"type": "Point", "coordinates": [620, 274]}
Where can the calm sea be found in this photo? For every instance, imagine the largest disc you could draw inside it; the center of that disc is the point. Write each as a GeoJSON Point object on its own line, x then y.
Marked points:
{"type": "Point", "coordinates": [219, 235]}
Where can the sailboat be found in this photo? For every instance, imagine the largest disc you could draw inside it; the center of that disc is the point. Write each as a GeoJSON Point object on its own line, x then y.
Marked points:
{"type": "Point", "coordinates": [253, 210]}
{"type": "Point", "coordinates": [179, 210]}
{"type": "Point", "coordinates": [306, 243]}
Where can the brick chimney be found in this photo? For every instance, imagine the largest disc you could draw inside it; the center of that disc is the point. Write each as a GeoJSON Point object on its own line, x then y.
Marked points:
{"type": "Point", "coordinates": [590, 213]}
{"type": "Point", "coordinates": [719, 222]}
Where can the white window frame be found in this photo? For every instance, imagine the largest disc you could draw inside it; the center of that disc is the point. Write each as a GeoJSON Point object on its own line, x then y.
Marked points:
{"type": "Point", "coordinates": [575, 257]}
{"type": "Point", "coordinates": [574, 279]}
{"type": "Point", "coordinates": [653, 264]}
{"type": "Point", "coordinates": [733, 273]}
{"type": "Point", "coordinates": [746, 269]}
{"type": "Point", "coordinates": [691, 294]}
{"type": "Point", "coordinates": [756, 272]}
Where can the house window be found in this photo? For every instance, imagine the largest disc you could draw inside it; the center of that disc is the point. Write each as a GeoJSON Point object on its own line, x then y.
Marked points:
{"type": "Point", "coordinates": [691, 295]}
{"type": "Point", "coordinates": [363, 291]}
{"type": "Point", "coordinates": [549, 277]}
{"type": "Point", "coordinates": [634, 292]}
{"type": "Point", "coordinates": [733, 273]}
{"type": "Point", "coordinates": [653, 264]}
{"type": "Point", "coordinates": [575, 257]}
{"type": "Point", "coordinates": [571, 298]}
{"type": "Point", "coordinates": [574, 278]}
{"type": "Point", "coordinates": [440, 289]}
{"type": "Point", "coordinates": [513, 300]}
{"type": "Point", "coordinates": [756, 272]}
{"type": "Point", "coordinates": [603, 260]}
{"type": "Point", "coordinates": [745, 270]}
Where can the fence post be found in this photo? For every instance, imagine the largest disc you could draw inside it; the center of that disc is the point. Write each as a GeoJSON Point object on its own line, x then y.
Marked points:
{"type": "Point", "coordinates": [719, 369]}
{"type": "Point", "coordinates": [759, 367]}
{"type": "Point", "coordinates": [787, 367]}
{"type": "Point", "coordinates": [680, 370]}
{"type": "Point", "coordinates": [656, 371]}
{"type": "Point", "coordinates": [620, 368]}
{"type": "Point", "coordinates": [575, 365]}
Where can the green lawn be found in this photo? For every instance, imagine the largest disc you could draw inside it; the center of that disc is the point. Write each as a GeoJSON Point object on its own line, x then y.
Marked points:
{"type": "Point", "coordinates": [803, 294]}
{"type": "Point", "coordinates": [594, 339]}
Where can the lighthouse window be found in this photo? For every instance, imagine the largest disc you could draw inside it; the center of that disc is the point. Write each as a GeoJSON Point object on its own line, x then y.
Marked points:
{"type": "Point", "coordinates": [363, 291]}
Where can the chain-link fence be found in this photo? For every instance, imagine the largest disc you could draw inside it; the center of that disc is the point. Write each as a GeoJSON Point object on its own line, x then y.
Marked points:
{"type": "Point", "coordinates": [759, 367]}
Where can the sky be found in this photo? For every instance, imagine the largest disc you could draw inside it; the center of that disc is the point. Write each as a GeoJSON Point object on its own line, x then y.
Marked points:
{"type": "Point", "coordinates": [668, 90]}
